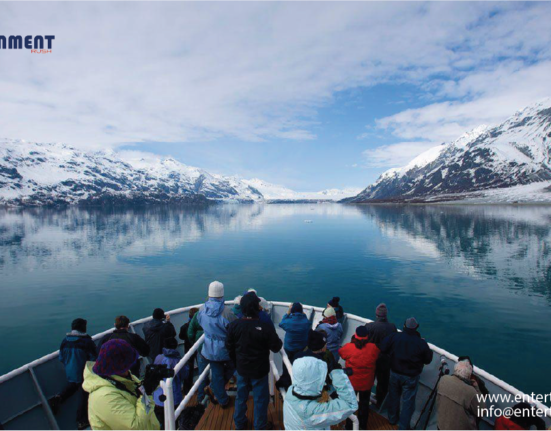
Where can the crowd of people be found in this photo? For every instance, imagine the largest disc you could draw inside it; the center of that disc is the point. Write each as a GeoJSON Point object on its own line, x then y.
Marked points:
{"type": "Point", "coordinates": [330, 379]}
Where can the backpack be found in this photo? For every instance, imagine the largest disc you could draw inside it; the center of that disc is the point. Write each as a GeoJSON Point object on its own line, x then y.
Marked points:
{"type": "Point", "coordinates": [190, 417]}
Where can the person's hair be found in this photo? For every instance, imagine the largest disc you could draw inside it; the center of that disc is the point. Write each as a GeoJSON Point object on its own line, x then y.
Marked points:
{"type": "Point", "coordinates": [79, 325]}
{"type": "Point", "coordinates": [360, 344]}
{"type": "Point", "coordinates": [463, 369]}
{"type": "Point", "coordinates": [122, 322]}
{"type": "Point", "coordinates": [192, 312]}
{"type": "Point", "coordinates": [171, 343]}
{"type": "Point", "coordinates": [324, 397]}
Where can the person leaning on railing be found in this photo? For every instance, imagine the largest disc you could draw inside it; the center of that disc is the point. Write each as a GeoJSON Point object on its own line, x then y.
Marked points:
{"type": "Point", "coordinates": [118, 400]}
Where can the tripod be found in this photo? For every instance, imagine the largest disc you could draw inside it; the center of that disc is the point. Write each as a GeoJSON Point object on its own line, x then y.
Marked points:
{"type": "Point", "coordinates": [443, 370]}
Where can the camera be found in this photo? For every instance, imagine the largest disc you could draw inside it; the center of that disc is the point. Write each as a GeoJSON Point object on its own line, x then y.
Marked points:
{"type": "Point", "coordinates": [158, 372]}
{"type": "Point", "coordinates": [444, 368]}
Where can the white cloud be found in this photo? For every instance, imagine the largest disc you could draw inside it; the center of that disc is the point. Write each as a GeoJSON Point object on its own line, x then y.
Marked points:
{"type": "Point", "coordinates": [126, 72]}
{"type": "Point", "coordinates": [395, 155]}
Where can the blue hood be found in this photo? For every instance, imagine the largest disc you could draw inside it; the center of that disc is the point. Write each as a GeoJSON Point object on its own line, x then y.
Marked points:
{"type": "Point", "coordinates": [214, 307]}
{"type": "Point", "coordinates": [171, 353]}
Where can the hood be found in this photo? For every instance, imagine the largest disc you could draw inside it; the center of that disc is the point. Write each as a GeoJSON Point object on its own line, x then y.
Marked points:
{"type": "Point", "coordinates": [93, 382]}
{"type": "Point", "coordinates": [331, 325]}
{"type": "Point", "coordinates": [214, 307]}
{"type": "Point", "coordinates": [75, 333]}
{"type": "Point", "coordinates": [155, 325]}
{"type": "Point", "coordinates": [171, 353]}
{"type": "Point", "coordinates": [309, 376]}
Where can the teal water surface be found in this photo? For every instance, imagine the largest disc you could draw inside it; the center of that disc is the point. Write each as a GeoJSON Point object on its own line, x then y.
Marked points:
{"type": "Point", "coordinates": [477, 278]}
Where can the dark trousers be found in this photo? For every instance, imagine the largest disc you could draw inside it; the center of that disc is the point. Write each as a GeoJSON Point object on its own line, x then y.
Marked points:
{"type": "Point", "coordinates": [188, 382]}
{"type": "Point", "coordinates": [261, 396]}
{"type": "Point", "coordinates": [382, 372]}
{"type": "Point", "coordinates": [82, 409]}
{"type": "Point", "coordinates": [363, 410]}
{"type": "Point", "coordinates": [160, 414]}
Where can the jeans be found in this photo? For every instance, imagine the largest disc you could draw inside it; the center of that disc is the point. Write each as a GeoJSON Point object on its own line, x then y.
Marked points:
{"type": "Point", "coordinates": [221, 374]}
{"type": "Point", "coordinates": [404, 387]}
{"type": "Point", "coordinates": [201, 365]}
{"type": "Point", "coordinates": [261, 396]}
{"type": "Point", "coordinates": [82, 409]}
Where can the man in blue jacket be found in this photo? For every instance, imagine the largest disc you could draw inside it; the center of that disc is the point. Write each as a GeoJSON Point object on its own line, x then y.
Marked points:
{"type": "Point", "coordinates": [214, 317]}
{"type": "Point", "coordinates": [409, 353]}
{"type": "Point", "coordinates": [76, 349]}
{"type": "Point", "coordinates": [296, 326]}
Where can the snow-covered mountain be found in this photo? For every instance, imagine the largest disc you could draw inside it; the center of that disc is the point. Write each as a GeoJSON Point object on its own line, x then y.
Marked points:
{"type": "Point", "coordinates": [273, 192]}
{"type": "Point", "coordinates": [514, 153]}
{"type": "Point", "coordinates": [34, 174]}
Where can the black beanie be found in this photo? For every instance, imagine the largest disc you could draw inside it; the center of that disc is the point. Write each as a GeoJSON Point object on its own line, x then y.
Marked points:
{"type": "Point", "coordinates": [334, 301]}
{"type": "Point", "coordinates": [158, 314]}
{"type": "Point", "coordinates": [250, 305]}
{"type": "Point", "coordinates": [79, 325]}
{"type": "Point", "coordinates": [316, 340]}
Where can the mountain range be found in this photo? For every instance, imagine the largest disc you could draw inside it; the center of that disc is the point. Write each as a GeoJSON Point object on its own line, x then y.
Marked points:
{"type": "Point", "coordinates": [512, 154]}
{"type": "Point", "coordinates": [53, 174]}
{"type": "Point", "coordinates": [510, 162]}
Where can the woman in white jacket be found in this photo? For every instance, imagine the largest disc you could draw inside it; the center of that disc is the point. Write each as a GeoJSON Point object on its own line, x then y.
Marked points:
{"type": "Point", "coordinates": [306, 408]}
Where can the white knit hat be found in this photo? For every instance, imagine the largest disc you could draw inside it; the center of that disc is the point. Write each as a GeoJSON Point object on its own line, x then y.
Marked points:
{"type": "Point", "coordinates": [329, 311]}
{"type": "Point", "coordinates": [216, 290]}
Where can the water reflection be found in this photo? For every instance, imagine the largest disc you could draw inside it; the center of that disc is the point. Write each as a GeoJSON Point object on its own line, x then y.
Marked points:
{"type": "Point", "coordinates": [510, 244]}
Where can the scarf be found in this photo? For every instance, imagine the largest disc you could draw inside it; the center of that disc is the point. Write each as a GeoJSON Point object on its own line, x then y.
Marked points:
{"type": "Point", "coordinates": [330, 320]}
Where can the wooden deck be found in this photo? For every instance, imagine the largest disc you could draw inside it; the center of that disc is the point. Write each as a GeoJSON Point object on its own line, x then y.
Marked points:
{"type": "Point", "coordinates": [217, 418]}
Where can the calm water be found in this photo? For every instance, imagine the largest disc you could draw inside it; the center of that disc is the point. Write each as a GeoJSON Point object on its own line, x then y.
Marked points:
{"type": "Point", "coordinates": [477, 278]}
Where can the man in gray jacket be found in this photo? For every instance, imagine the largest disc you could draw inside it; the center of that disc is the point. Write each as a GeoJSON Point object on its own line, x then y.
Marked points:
{"type": "Point", "coordinates": [459, 400]}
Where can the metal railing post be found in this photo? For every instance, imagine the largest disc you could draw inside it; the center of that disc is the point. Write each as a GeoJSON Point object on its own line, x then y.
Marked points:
{"type": "Point", "coordinates": [271, 376]}
{"type": "Point", "coordinates": [170, 421]}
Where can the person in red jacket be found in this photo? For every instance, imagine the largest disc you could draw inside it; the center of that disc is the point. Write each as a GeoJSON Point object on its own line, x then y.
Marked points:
{"type": "Point", "coordinates": [524, 417]}
{"type": "Point", "coordinates": [361, 356]}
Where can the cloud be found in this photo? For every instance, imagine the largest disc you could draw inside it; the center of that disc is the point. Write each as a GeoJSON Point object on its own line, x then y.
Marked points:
{"type": "Point", "coordinates": [189, 72]}
{"type": "Point", "coordinates": [394, 155]}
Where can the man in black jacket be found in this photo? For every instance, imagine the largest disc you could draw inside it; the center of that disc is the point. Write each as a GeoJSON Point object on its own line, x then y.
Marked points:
{"type": "Point", "coordinates": [249, 342]}
{"type": "Point", "coordinates": [121, 332]}
{"type": "Point", "coordinates": [156, 331]}
{"type": "Point", "coordinates": [376, 332]}
{"type": "Point", "coordinates": [409, 353]}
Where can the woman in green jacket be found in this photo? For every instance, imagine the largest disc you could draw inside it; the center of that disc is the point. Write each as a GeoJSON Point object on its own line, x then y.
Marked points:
{"type": "Point", "coordinates": [116, 402]}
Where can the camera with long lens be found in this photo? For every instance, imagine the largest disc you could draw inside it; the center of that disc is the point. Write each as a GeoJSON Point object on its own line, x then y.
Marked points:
{"type": "Point", "coordinates": [154, 373]}
{"type": "Point", "coordinates": [444, 368]}
{"type": "Point", "coordinates": [160, 371]}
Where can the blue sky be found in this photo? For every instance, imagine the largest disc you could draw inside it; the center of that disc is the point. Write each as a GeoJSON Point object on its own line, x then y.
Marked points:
{"type": "Point", "coordinates": [306, 95]}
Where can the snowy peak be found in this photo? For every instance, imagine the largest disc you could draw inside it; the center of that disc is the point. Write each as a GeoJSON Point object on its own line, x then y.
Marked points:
{"type": "Point", "coordinates": [516, 152]}
{"type": "Point", "coordinates": [53, 174]}
{"type": "Point", "coordinates": [274, 192]}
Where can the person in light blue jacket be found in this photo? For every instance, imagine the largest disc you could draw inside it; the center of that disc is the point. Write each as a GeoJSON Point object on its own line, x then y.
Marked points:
{"type": "Point", "coordinates": [306, 406]}
{"type": "Point", "coordinates": [214, 317]}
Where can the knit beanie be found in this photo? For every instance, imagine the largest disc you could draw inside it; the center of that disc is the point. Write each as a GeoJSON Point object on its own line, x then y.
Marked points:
{"type": "Point", "coordinates": [411, 323]}
{"type": "Point", "coordinates": [334, 301]}
{"type": "Point", "coordinates": [216, 290]}
{"type": "Point", "coordinates": [250, 305]}
{"type": "Point", "coordinates": [115, 357]}
{"type": "Point", "coordinates": [361, 332]}
{"type": "Point", "coordinates": [79, 325]}
{"type": "Point", "coordinates": [316, 340]}
{"type": "Point", "coordinates": [329, 311]}
{"type": "Point", "coordinates": [158, 314]}
{"type": "Point", "coordinates": [381, 310]}
{"type": "Point", "coordinates": [296, 308]}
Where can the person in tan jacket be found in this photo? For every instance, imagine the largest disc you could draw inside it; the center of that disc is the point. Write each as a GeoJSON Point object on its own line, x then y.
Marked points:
{"type": "Point", "coordinates": [458, 400]}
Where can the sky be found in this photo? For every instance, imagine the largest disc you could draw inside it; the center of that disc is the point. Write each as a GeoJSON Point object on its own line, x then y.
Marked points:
{"type": "Point", "coordinates": [307, 95]}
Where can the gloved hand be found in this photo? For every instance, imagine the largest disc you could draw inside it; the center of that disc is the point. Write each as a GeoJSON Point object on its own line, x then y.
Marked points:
{"type": "Point", "coordinates": [151, 382]}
